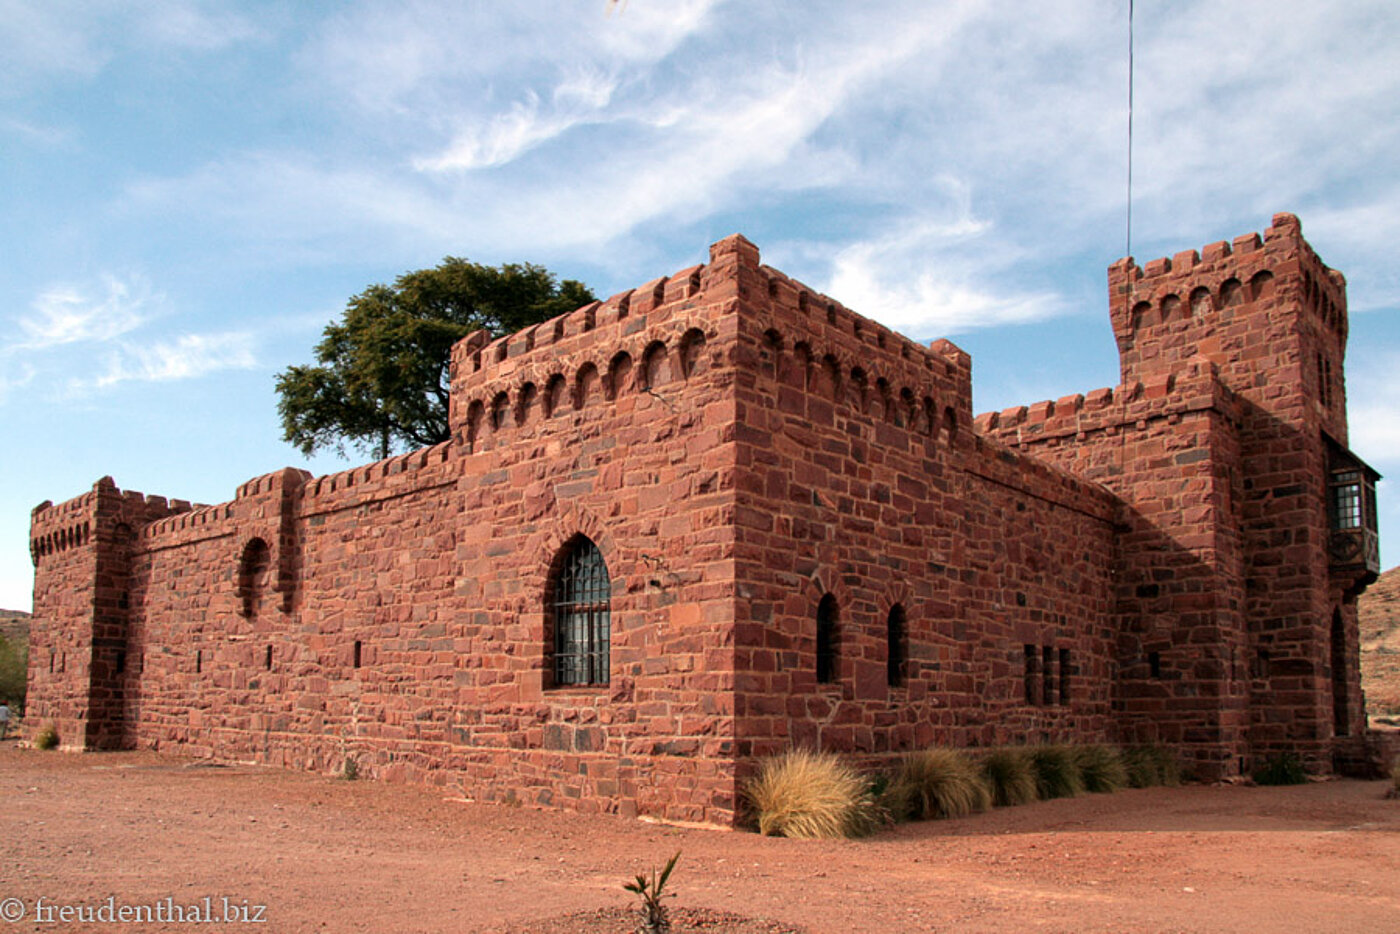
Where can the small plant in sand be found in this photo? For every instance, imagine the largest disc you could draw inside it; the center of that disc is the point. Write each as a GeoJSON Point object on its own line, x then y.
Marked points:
{"type": "Point", "coordinates": [351, 770]}
{"type": "Point", "coordinates": [812, 794]}
{"type": "Point", "coordinates": [651, 891]}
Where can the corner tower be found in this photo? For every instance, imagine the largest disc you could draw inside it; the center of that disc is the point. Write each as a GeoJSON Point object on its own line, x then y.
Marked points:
{"type": "Point", "coordinates": [1271, 318]}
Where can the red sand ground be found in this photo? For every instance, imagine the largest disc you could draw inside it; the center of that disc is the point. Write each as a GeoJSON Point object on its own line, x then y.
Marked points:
{"type": "Point", "coordinates": [329, 855]}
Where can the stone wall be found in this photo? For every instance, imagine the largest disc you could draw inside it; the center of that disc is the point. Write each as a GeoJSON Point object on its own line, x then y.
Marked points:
{"type": "Point", "coordinates": [809, 541]}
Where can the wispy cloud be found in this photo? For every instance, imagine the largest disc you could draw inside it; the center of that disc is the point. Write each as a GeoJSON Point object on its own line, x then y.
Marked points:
{"type": "Point", "coordinates": [70, 40]}
{"type": "Point", "coordinates": [189, 356]}
{"type": "Point", "coordinates": [99, 333]}
{"type": "Point", "coordinates": [68, 314]}
{"type": "Point", "coordinates": [934, 279]}
{"type": "Point", "coordinates": [577, 99]}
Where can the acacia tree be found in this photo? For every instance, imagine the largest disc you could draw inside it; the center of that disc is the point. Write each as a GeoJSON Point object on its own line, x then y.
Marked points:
{"type": "Point", "coordinates": [381, 378]}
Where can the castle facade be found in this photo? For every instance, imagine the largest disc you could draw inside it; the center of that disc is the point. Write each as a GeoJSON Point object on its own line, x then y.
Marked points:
{"type": "Point", "coordinates": [720, 515]}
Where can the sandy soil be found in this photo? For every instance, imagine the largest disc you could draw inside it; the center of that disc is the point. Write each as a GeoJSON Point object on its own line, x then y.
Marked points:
{"type": "Point", "coordinates": [329, 855]}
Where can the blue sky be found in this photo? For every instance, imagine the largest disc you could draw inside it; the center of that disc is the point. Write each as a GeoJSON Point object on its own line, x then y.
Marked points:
{"type": "Point", "coordinates": [192, 190]}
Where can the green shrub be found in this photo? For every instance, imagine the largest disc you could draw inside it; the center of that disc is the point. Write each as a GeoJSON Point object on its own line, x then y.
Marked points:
{"type": "Point", "coordinates": [1009, 776]}
{"type": "Point", "coordinates": [47, 738]}
{"type": "Point", "coordinates": [14, 672]}
{"type": "Point", "coordinates": [351, 770]}
{"type": "Point", "coordinates": [1101, 768]}
{"type": "Point", "coordinates": [938, 783]}
{"type": "Point", "coordinates": [1148, 766]}
{"type": "Point", "coordinates": [1056, 771]}
{"type": "Point", "coordinates": [808, 794]}
{"type": "Point", "coordinates": [1282, 769]}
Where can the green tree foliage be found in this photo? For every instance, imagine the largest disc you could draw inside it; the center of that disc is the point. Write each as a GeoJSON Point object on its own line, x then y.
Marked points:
{"type": "Point", "coordinates": [381, 378]}
{"type": "Point", "coordinates": [14, 672]}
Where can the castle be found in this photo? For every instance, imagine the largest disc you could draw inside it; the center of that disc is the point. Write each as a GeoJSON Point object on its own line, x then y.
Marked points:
{"type": "Point", "coordinates": [720, 515]}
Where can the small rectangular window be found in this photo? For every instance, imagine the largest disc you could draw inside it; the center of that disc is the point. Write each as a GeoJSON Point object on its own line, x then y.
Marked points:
{"type": "Point", "coordinates": [357, 653]}
{"type": "Point", "coordinates": [1031, 666]}
{"type": "Point", "coordinates": [267, 659]}
{"type": "Point", "coordinates": [1154, 664]}
{"type": "Point", "coordinates": [1064, 677]}
{"type": "Point", "coordinates": [1047, 675]}
{"type": "Point", "coordinates": [198, 661]}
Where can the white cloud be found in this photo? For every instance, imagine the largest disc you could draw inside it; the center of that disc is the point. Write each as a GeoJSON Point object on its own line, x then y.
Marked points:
{"type": "Point", "coordinates": [189, 356]}
{"type": "Point", "coordinates": [67, 314]}
{"type": "Point", "coordinates": [72, 39]}
{"type": "Point", "coordinates": [506, 136]}
{"type": "Point", "coordinates": [933, 279]}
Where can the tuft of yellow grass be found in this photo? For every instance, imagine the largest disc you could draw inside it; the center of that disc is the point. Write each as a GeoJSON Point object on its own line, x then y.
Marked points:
{"type": "Point", "coordinates": [936, 783]}
{"type": "Point", "coordinates": [1056, 771]}
{"type": "Point", "coordinates": [1101, 768]}
{"type": "Point", "coordinates": [1009, 775]}
{"type": "Point", "coordinates": [805, 794]}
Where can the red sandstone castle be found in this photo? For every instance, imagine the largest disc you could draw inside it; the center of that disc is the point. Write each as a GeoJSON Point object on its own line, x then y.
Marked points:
{"type": "Point", "coordinates": [721, 515]}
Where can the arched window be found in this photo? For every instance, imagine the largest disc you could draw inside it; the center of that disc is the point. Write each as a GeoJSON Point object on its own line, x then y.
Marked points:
{"type": "Point", "coordinates": [826, 640]}
{"type": "Point", "coordinates": [897, 640]}
{"type": "Point", "coordinates": [581, 615]}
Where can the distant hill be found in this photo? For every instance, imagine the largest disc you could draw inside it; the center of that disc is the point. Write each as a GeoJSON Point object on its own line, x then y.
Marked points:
{"type": "Point", "coordinates": [1379, 609]}
{"type": "Point", "coordinates": [14, 626]}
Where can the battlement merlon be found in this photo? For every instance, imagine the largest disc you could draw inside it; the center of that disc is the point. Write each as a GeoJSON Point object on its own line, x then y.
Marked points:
{"type": "Point", "coordinates": [1193, 284]}
{"type": "Point", "coordinates": [1194, 387]}
{"type": "Point", "coordinates": [734, 283]}
{"type": "Point", "coordinates": [95, 515]}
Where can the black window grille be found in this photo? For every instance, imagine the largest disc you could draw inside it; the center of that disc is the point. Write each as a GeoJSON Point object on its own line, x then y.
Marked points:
{"type": "Point", "coordinates": [582, 621]}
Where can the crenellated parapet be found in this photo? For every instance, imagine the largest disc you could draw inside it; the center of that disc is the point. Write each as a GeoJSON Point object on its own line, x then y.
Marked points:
{"type": "Point", "coordinates": [1209, 302]}
{"type": "Point", "coordinates": [632, 343]}
{"type": "Point", "coordinates": [1194, 387]}
{"type": "Point", "coordinates": [855, 362]}
{"type": "Point", "coordinates": [678, 327]}
{"type": "Point", "coordinates": [104, 510]}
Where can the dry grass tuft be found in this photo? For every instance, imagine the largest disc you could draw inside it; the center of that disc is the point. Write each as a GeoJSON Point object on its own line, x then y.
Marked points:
{"type": "Point", "coordinates": [1148, 766]}
{"type": "Point", "coordinates": [1101, 768]}
{"type": "Point", "coordinates": [1056, 770]}
{"type": "Point", "coordinates": [806, 794]}
{"type": "Point", "coordinates": [47, 738]}
{"type": "Point", "coordinates": [1009, 776]}
{"type": "Point", "coordinates": [938, 783]}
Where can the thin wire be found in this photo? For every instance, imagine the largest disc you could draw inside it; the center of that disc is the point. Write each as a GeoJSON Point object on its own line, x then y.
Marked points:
{"type": "Point", "coordinates": [1128, 249]}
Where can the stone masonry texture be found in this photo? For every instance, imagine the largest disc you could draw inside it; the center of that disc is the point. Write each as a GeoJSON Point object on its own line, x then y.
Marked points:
{"type": "Point", "coordinates": [1146, 563]}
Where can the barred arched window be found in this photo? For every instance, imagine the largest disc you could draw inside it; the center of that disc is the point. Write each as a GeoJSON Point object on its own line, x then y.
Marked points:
{"type": "Point", "coordinates": [826, 640]}
{"type": "Point", "coordinates": [581, 615]}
